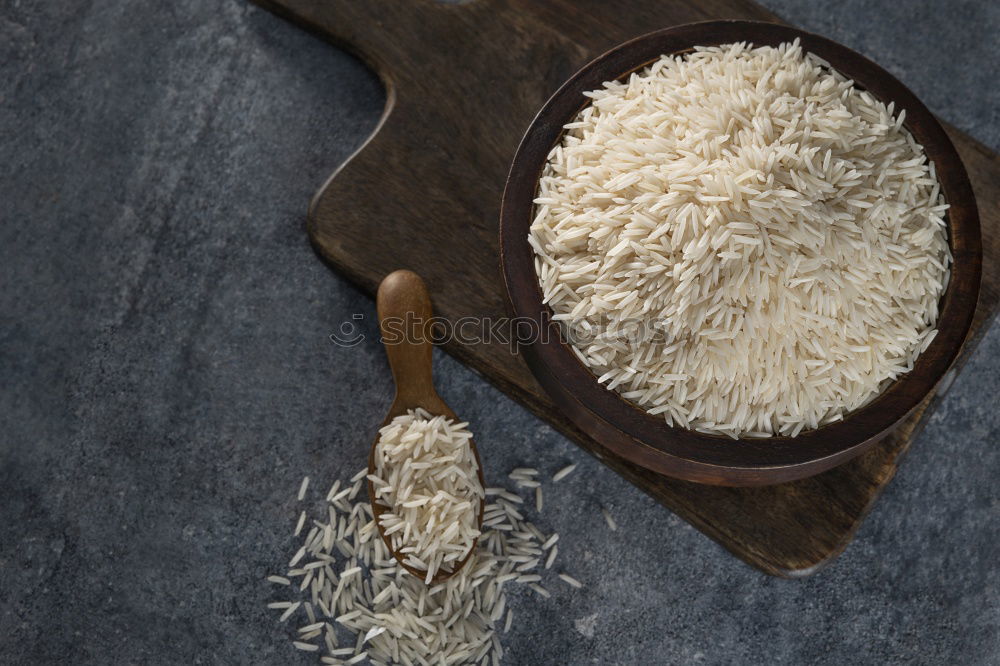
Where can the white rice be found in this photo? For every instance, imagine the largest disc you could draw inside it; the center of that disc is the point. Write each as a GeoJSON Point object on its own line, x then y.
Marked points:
{"type": "Point", "coordinates": [563, 473]}
{"type": "Point", "coordinates": [609, 520]}
{"type": "Point", "coordinates": [742, 241]}
{"type": "Point", "coordinates": [552, 557]}
{"type": "Point", "coordinates": [308, 647]}
{"type": "Point", "coordinates": [394, 617]}
{"type": "Point", "coordinates": [288, 611]}
{"type": "Point", "coordinates": [311, 627]}
{"type": "Point", "coordinates": [302, 488]}
{"type": "Point", "coordinates": [566, 578]}
{"type": "Point", "coordinates": [342, 652]}
{"type": "Point", "coordinates": [523, 473]}
{"type": "Point", "coordinates": [540, 590]}
{"type": "Point", "coordinates": [427, 475]}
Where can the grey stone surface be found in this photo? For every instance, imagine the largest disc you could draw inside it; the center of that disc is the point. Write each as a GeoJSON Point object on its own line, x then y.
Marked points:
{"type": "Point", "coordinates": [167, 376]}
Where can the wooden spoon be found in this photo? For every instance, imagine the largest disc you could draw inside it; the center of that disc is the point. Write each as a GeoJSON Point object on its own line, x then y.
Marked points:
{"type": "Point", "coordinates": [405, 320]}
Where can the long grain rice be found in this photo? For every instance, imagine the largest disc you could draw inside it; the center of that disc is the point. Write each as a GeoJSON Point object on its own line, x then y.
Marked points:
{"type": "Point", "coordinates": [395, 617]}
{"type": "Point", "coordinates": [563, 473]}
{"type": "Point", "coordinates": [566, 578]}
{"type": "Point", "coordinates": [609, 519]}
{"type": "Point", "coordinates": [741, 241]}
{"type": "Point", "coordinates": [427, 474]}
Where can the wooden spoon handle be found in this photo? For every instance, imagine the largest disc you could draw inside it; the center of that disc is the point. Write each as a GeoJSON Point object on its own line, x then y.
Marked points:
{"type": "Point", "coordinates": [405, 319]}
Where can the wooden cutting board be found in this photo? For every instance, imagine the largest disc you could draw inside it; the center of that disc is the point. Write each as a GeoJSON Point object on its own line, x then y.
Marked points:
{"type": "Point", "coordinates": [463, 81]}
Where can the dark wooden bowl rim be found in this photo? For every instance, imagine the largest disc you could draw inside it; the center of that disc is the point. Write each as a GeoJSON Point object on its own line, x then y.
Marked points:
{"type": "Point", "coordinates": [646, 439]}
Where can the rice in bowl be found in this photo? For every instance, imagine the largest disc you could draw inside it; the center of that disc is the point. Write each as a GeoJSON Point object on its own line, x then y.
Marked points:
{"type": "Point", "coordinates": [742, 241]}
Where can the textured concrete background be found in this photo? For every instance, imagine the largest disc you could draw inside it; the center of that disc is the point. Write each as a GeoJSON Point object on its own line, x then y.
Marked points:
{"type": "Point", "coordinates": [167, 376]}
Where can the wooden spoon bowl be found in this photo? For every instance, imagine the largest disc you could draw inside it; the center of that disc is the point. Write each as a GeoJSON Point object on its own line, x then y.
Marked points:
{"type": "Point", "coordinates": [646, 440]}
{"type": "Point", "coordinates": [406, 321]}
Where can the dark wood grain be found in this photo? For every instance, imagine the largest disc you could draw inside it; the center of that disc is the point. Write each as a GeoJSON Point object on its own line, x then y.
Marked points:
{"type": "Point", "coordinates": [463, 82]}
{"type": "Point", "coordinates": [645, 439]}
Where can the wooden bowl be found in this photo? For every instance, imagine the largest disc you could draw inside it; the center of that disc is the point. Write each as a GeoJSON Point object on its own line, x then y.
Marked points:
{"type": "Point", "coordinates": [647, 440]}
